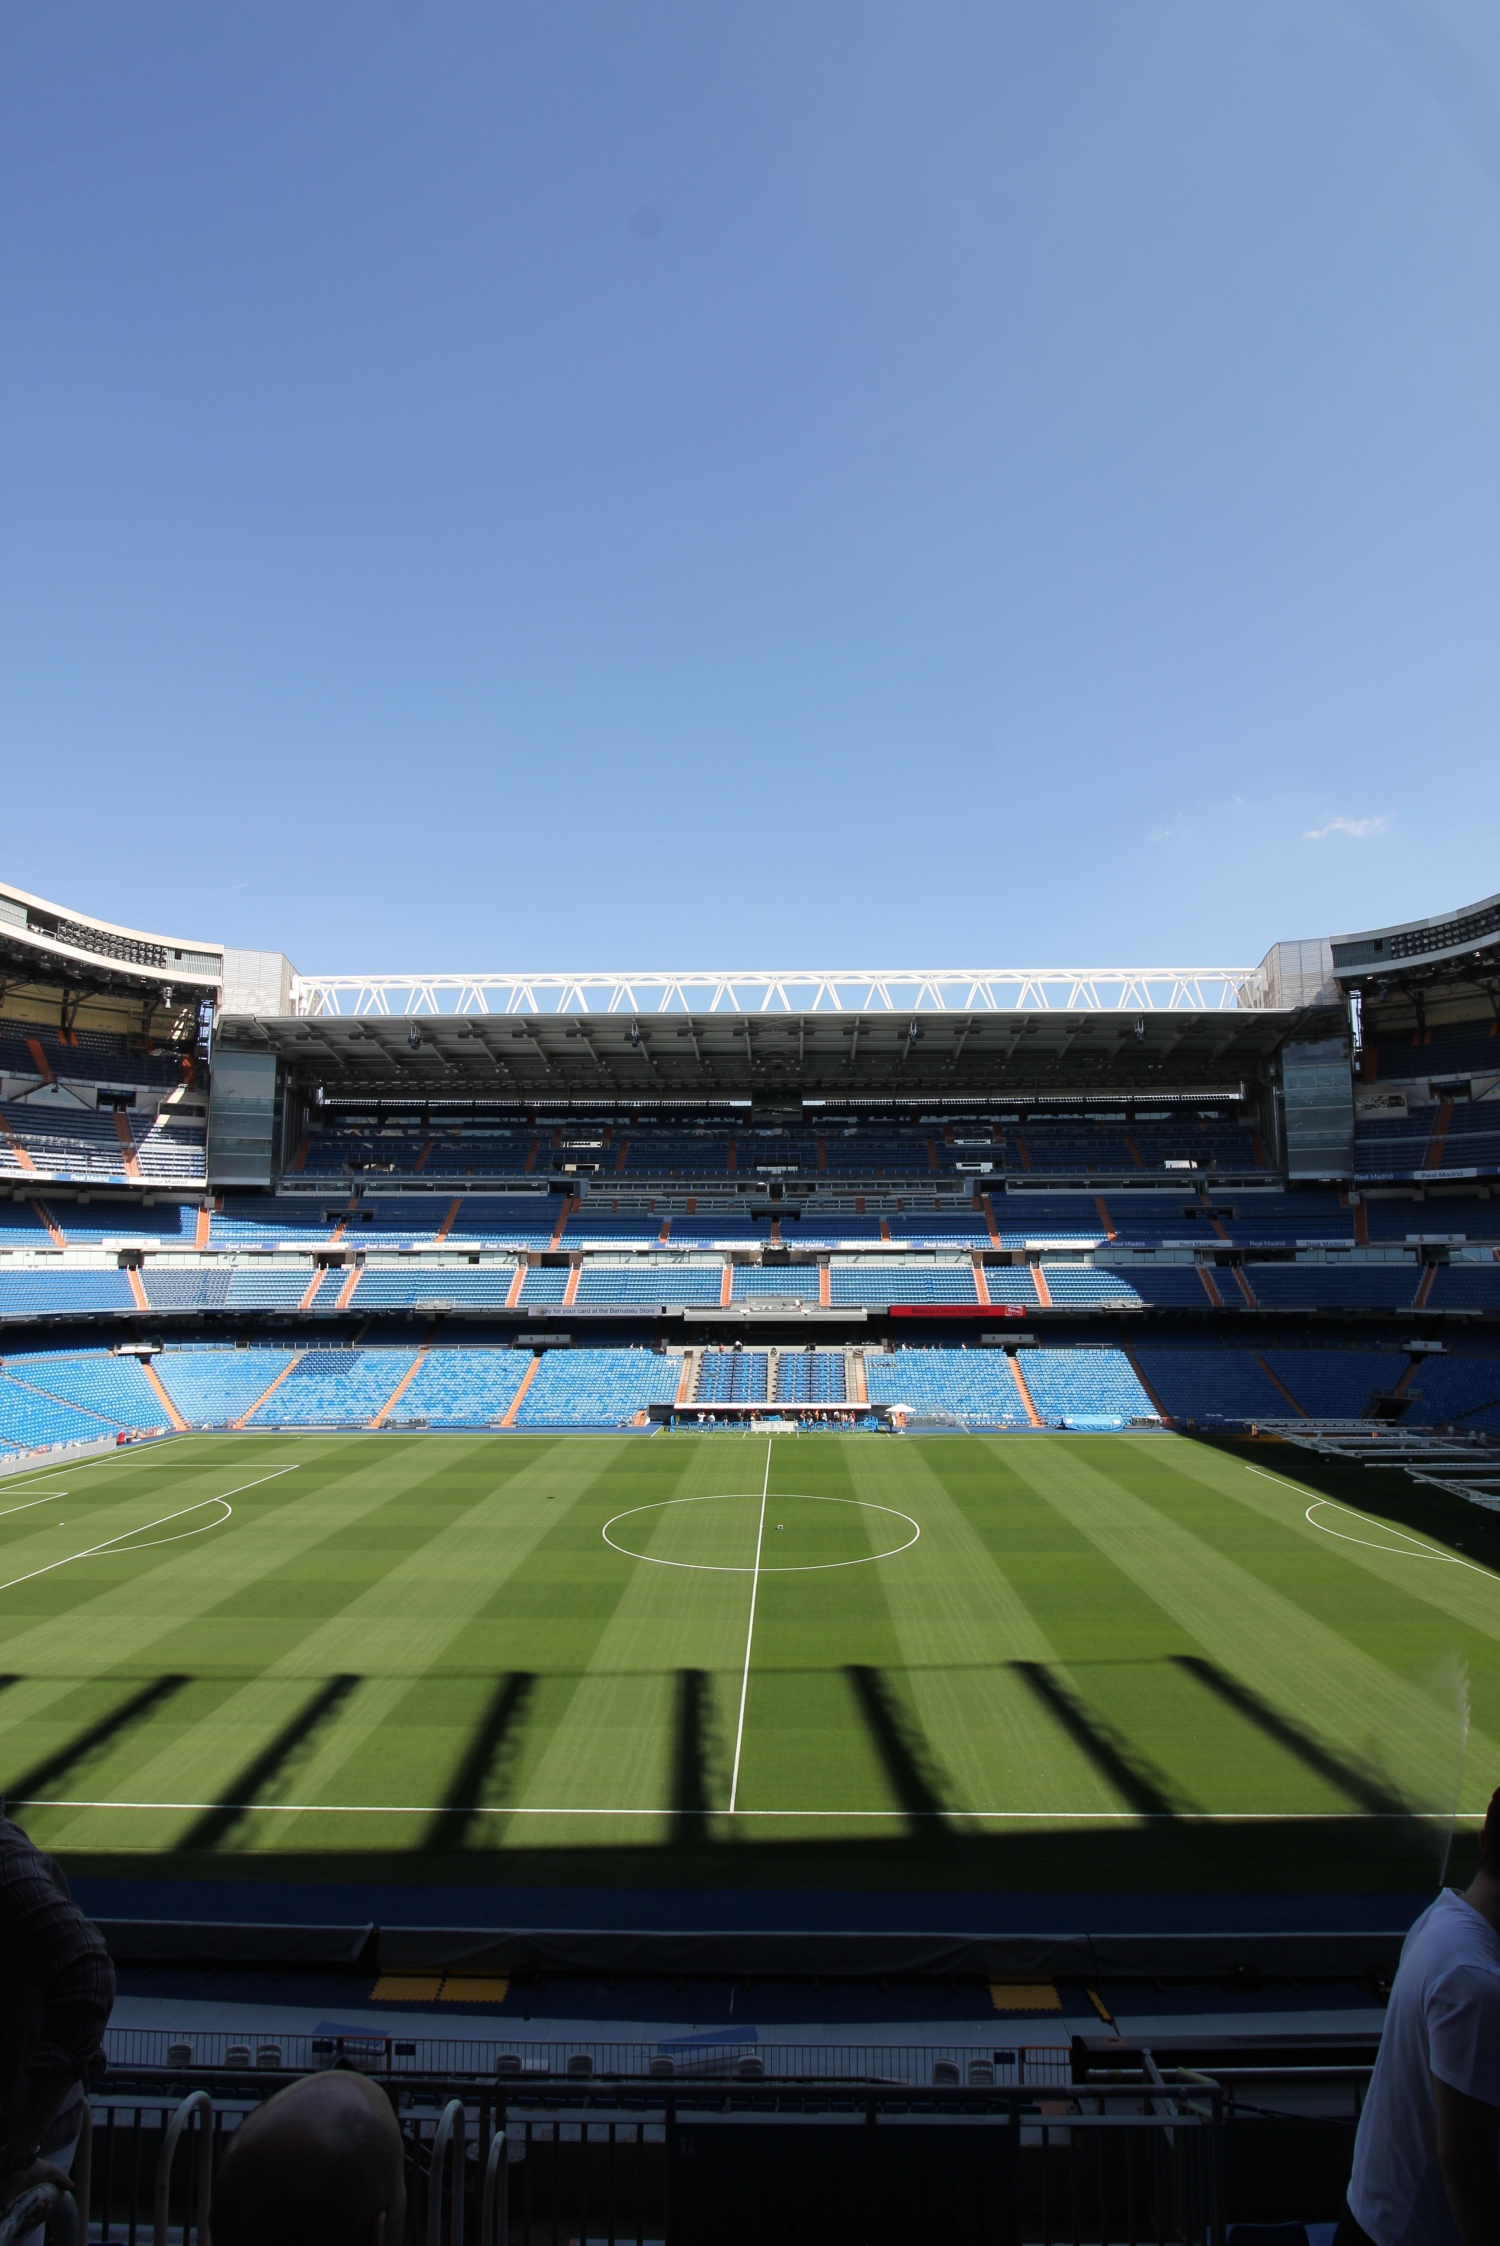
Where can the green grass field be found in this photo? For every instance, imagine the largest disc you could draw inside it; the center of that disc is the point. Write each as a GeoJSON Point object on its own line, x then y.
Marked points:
{"type": "Point", "coordinates": [1099, 1661]}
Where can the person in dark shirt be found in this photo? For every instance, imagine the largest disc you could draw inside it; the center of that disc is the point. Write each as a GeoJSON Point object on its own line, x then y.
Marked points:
{"type": "Point", "coordinates": [57, 1987]}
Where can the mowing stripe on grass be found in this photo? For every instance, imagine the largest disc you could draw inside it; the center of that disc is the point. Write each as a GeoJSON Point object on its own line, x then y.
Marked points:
{"type": "Point", "coordinates": [963, 1627]}
{"type": "Point", "coordinates": [176, 1610]}
{"type": "Point", "coordinates": [1393, 1734]}
{"type": "Point", "coordinates": [1450, 1597]}
{"type": "Point", "coordinates": [386, 1635]}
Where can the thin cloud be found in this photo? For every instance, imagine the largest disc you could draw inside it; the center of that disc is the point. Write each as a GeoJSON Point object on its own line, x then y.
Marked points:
{"type": "Point", "coordinates": [1358, 830]}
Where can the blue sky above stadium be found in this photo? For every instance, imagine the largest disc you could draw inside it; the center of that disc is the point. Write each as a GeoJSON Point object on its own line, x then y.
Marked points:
{"type": "Point", "coordinates": [524, 483]}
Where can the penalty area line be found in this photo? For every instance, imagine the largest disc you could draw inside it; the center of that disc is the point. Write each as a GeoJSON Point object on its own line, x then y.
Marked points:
{"type": "Point", "coordinates": [92, 1551]}
{"type": "Point", "coordinates": [1418, 1551]}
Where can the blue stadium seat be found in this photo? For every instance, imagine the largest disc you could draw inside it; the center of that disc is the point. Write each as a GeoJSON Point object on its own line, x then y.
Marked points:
{"type": "Point", "coordinates": [597, 1387]}
{"type": "Point", "coordinates": [1085, 1387]}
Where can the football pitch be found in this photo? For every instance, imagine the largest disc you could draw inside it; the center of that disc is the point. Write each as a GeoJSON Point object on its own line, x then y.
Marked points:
{"type": "Point", "coordinates": [1108, 1661]}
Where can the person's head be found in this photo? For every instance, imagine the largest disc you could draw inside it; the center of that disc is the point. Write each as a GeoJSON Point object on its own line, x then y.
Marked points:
{"type": "Point", "coordinates": [320, 2164]}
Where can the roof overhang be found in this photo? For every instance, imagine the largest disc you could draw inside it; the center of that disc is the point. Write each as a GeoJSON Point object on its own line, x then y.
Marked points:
{"type": "Point", "coordinates": [53, 944]}
{"type": "Point", "coordinates": [1458, 948]}
{"type": "Point", "coordinates": [654, 1057]}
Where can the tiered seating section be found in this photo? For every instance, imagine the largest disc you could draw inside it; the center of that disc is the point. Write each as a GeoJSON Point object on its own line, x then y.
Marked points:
{"type": "Point", "coordinates": [52, 1398]}
{"type": "Point", "coordinates": [84, 1108]}
{"type": "Point", "coordinates": [624, 1150]}
{"type": "Point", "coordinates": [1205, 1252]}
{"type": "Point", "coordinates": [402, 1235]}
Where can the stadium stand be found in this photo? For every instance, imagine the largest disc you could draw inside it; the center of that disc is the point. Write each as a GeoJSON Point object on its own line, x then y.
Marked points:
{"type": "Point", "coordinates": [544, 1283]}
{"type": "Point", "coordinates": [114, 1388]}
{"type": "Point", "coordinates": [964, 1387]}
{"type": "Point", "coordinates": [91, 1056]}
{"type": "Point", "coordinates": [596, 1387]}
{"type": "Point", "coordinates": [519, 1214]}
{"type": "Point", "coordinates": [464, 1387]}
{"type": "Point", "coordinates": [732, 1376]}
{"type": "Point", "coordinates": [798, 1282]}
{"type": "Point", "coordinates": [1212, 1386]}
{"type": "Point", "coordinates": [1466, 1286]}
{"type": "Point", "coordinates": [334, 1388]}
{"type": "Point", "coordinates": [1334, 1383]}
{"type": "Point", "coordinates": [88, 1224]}
{"type": "Point", "coordinates": [1332, 1286]}
{"type": "Point", "coordinates": [215, 1387]}
{"type": "Point", "coordinates": [1173, 1286]}
{"type": "Point", "coordinates": [30, 1419]}
{"type": "Point", "coordinates": [254, 1220]}
{"type": "Point", "coordinates": [194, 1289]}
{"type": "Point", "coordinates": [64, 1142]}
{"type": "Point", "coordinates": [268, 1285]}
{"type": "Point", "coordinates": [1460, 1391]}
{"type": "Point", "coordinates": [815, 1376]}
{"type": "Point", "coordinates": [880, 1280]}
{"type": "Point", "coordinates": [1085, 1387]}
{"type": "Point", "coordinates": [1071, 1286]}
{"type": "Point", "coordinates": [63, 1293]}
{"type": "Point", "coordinates": [1406, 1217]}
{"type": "Point", "coordinates": [649, 1284]}
{"type": "Point", "coordinates": [387, 1287]}
{"type": "Point", "coordinates": [938, 1229]}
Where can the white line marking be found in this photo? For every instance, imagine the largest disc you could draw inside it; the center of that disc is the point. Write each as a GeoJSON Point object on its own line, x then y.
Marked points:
{"type": "Point", "coordinates": [725, 1497]}
{"type": "Point", "coordinates": [92, 1550]}
{"type": "Point", "coordinates": [1417, 1551]}
{"type": "Point", "coordinates": [1370, 1521]}
{"type": "Point", "coordinates": [988, 1816]}
{"type": "Point", "coordinates": [51, 1498]}
{"type": "Point", "coordinates": [739, 1736]}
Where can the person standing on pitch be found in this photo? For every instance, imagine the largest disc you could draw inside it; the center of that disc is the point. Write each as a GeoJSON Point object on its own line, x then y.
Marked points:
{"type": "Point", "coordinates": [1427, 2155]}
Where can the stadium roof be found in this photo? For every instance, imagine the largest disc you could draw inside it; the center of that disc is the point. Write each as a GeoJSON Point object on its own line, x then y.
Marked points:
{"type": "Point", "coordinates": [961, 990]}
{"type": "Point", "coordinates": [871, 1052]}
{"type": "Point", "coordinates": [58, 945]}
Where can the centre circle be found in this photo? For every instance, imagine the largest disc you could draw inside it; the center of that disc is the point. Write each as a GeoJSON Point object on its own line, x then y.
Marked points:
{"type": "Point", "coordinates": [627, 1532]}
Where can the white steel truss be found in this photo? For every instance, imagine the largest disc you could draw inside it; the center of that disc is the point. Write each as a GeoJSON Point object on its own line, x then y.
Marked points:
{"type": "Point", "coordinates": [954, 990]}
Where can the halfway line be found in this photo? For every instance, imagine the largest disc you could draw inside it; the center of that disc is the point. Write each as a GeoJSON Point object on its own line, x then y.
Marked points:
{"type": "Point", "coordinates": [739, 1736]}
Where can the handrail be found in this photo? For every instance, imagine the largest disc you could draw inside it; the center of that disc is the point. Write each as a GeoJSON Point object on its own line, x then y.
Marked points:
{"type": "Point", "coordinates": [494, 2210]}
{"type": "Point", "coordinates": [451, 2119]}
{"type": "Point", "coordinates": [197, 2104]}
{"type": "Point", "coordinates": [43, 2203]}
{"type": "Point", "coordinates": [82, 2166]}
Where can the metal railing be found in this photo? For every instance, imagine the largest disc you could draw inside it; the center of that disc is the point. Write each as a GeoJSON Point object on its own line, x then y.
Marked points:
{"type": "Point", "coordinates": [182, 2059]}
{"type": "Point", "coordinates": [542, 2161]}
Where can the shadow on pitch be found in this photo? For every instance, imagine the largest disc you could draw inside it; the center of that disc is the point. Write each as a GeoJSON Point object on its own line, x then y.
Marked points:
{"type": "Point", "coordinates": [481, 1780]}
{"type": "Point", "coordinates": [106, 1732]}
{"type": "Point", "coordinates": [912, 1770]}
{"type": "Point", "coordinates": [1129, 1775]}
{"type": "Point", "coordinates": [1356, 1785]}
{"type": "Point", "coordinates": [258, 1775]}
{"type": "Point", "coordinates": [692, 1759]}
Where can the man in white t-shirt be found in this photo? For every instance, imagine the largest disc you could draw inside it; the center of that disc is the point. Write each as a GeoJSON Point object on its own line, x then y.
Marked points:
{"type": "Point", "coordinates": [1427, 2156]}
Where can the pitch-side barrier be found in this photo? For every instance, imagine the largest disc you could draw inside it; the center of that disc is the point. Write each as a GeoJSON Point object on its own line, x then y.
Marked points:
{"type": "Point", "coordinates": [1128, 2162]}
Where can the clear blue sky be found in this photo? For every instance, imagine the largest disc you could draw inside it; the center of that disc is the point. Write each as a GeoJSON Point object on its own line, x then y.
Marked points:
{"type": "Point", "coordinates": [566, 483]}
